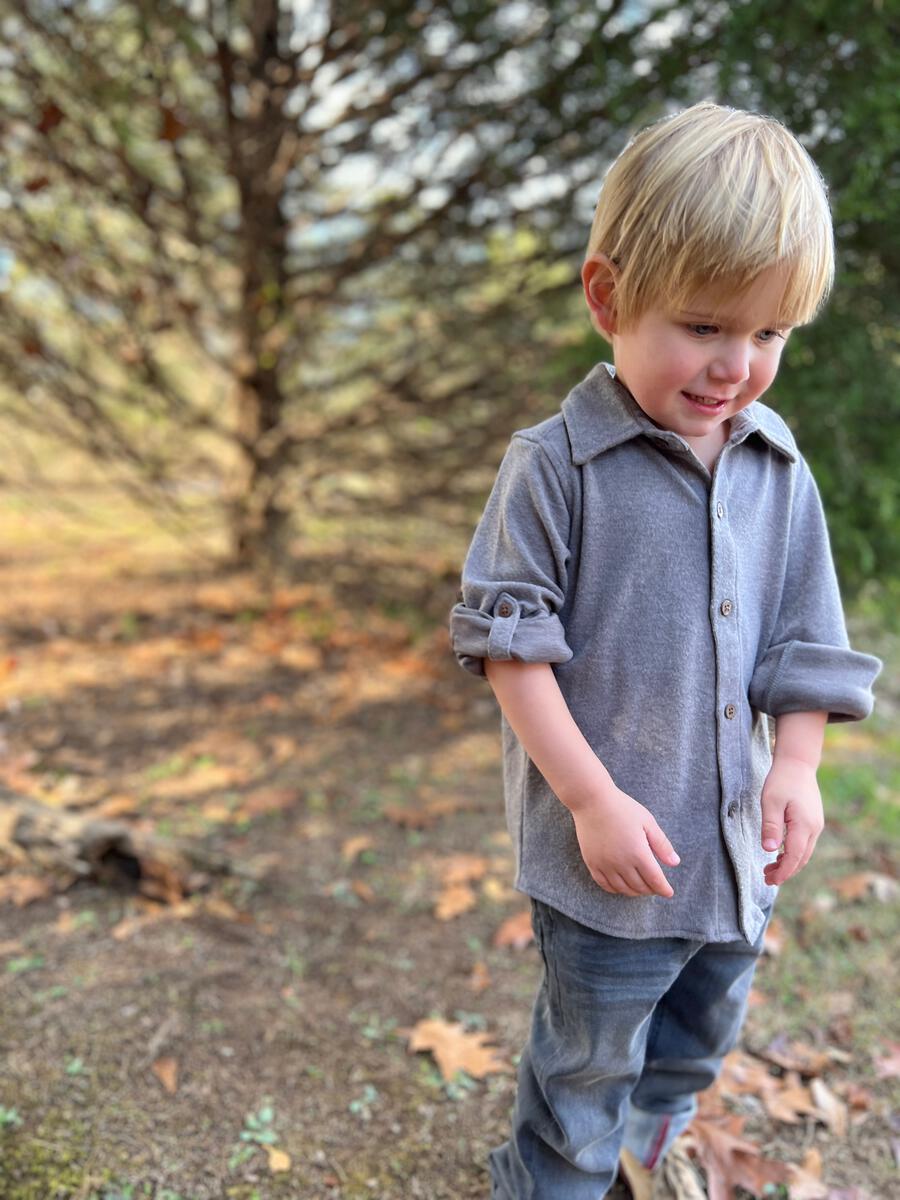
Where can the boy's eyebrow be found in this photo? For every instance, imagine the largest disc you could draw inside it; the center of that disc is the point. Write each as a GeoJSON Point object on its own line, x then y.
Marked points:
{"type": "Point", "coordinates": [718, 320]}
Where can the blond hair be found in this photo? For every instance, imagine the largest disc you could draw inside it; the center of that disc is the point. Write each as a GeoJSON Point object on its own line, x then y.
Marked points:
{"type": "Point", "coordinates": [706, 200]}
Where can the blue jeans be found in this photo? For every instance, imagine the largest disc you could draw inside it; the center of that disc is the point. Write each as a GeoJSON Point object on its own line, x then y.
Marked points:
{"type": "Point", "coordinates": [624, 1034]}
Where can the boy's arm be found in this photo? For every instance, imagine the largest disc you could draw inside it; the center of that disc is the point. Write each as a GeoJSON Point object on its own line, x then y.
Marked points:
{"type": "Point", "coordinates": [617, 836]}
{"type": "Point", "coordinates": [792, 815]}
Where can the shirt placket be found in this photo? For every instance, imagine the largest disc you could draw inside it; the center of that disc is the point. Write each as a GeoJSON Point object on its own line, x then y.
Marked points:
{"type": "Point", "coordinates": [724, 618]}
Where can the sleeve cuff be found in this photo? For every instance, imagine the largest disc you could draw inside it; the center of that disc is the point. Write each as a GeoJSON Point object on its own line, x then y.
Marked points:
{"type": "Point", "coordinates": [807, 677]}
{"type": "Point", "coordinates": [506, 634]}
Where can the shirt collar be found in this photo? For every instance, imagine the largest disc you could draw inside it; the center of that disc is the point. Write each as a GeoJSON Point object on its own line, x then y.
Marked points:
{"type": "Point", "coordinates": [601, 413]}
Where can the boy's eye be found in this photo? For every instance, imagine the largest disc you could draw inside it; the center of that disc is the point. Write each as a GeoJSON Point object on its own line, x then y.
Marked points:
{"type": "Point", "coordinates": [702, 330]}
{"type": "Point", "coordinates": [769, 335]}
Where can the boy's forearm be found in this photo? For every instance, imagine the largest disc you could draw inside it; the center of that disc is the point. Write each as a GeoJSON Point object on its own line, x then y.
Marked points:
{"type": "Point", "coordinates": [799, 736]}
{"type": "Point", "coordinates": [535, 708]}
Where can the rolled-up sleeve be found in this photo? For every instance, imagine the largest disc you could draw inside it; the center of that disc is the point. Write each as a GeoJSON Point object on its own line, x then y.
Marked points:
{"type": "Point", "coordinates": [514, 577]}
{"type": "Point", "coordinates": [808, 664]}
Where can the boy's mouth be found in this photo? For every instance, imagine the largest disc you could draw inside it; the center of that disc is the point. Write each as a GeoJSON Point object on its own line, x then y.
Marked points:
{"type": "Point", "coordinates": [707, 403]}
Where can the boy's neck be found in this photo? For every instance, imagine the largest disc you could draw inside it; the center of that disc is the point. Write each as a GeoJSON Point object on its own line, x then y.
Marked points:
{"type": "Point", "coordinates": [708, 447]}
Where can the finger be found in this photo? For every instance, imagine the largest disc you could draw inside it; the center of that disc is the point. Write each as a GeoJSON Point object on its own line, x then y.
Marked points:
{"type": "Point", "coordinates": [620, 886]}
{"type": "Point", "coordinates": [660, 845]}
{"type": "Point", "coordinates": [772, 825]}
{"type": "Point", "coordinates": [787, 863]}
{"type": "Point", "coordinates": [636, 881]}
{"type": "Point", "coordinates": [601, 881]}
{"type": "Point", "coordinates": [652, 876]}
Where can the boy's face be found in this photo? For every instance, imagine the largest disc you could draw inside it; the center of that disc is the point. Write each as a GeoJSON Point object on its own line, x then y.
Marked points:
{"type": "Point", "coordinates": [692, 369]}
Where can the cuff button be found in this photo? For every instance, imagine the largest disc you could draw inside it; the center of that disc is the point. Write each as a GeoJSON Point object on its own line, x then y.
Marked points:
{"type": "Point", "coordinates": [504, 609]}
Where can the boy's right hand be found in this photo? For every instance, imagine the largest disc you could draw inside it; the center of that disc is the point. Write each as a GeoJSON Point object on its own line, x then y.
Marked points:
{"type": "Point", "coordinates": [620, 842]}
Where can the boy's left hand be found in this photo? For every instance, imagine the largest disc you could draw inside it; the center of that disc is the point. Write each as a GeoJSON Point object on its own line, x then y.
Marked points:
{"type": "Point", "coordinates": [792, 812]}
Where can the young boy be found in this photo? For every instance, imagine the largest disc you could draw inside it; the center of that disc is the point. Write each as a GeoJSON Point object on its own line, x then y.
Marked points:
{"type": "Point", "coordinates": [650, 579]}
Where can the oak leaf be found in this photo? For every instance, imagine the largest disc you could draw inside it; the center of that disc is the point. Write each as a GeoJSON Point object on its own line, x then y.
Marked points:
{"type": "Point", "coordinates": [829, 1108]}
{"type": "Point", "coordinates": [166, 1071]}
{"type": "Point", "coordinates": [278, 1160]}
{"type": "Point", "coordinates": [454, 900]}
{"type": "Point", "coordinates": [456, 1050]}
{"type": "Point", "coordinates": [731, 1160]}
{"type": "Point", "coordinates": [515, 931]}
{"type": "Point", "coordinates": [796, 1056]}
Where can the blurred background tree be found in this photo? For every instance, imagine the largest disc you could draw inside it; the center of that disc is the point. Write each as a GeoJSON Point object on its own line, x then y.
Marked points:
{"type": "Point", "coordinates": [317, 260]}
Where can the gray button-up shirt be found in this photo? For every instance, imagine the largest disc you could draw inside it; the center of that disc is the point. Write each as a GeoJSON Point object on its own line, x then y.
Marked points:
{"type": "Point", "coordinates": [677, 607]}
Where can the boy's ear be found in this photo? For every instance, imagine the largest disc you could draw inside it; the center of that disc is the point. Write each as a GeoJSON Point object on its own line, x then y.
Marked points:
{"type": "Point", "coordinates": [598, 276]}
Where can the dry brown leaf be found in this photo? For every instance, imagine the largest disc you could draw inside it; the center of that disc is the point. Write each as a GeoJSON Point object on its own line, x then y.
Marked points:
{"type": "Point", "coordinates": [462, 868]}
{"type": "Point", "coordinates": [152, 913]}
{"type": "Point", "coordinates": [888, 1065]}
{"type": "Point", "coordinates": [278, 1160]}
{"type": "Point", "coordinates": [11, 947]}
{"type": "Point", "coordinates": [456, 1050]}
{"type": "Point", "coordinates": [480, 979]}
{"type": "Point", "coordinates": [268, 800]}
{"type": "Point", "coordinates": [731, 1160]}
{"type": "Point", "coordinates": [795, 1056]}
{"type": "Point", "coordinates": [166, 1071]}
{"type": "Point", "coordinates": [353, 847]}
{"type": "Point", "coordinates": [775, 938]}
{"type": "Point", "coordinates": [638, 1178]}
{"type": "Point", "coordinates": [831, 1110]}
{"type": "Point", "coordinates": [742, 1074]}
{"type": "Point", "coordinates": [786, 1100]}
{"type": "Point", "coordinates": [856, 1095]}
{"type": "Point", "coordinates": [806, 1180]}
{"type": "Point", "coordinates": [497, 891]}
{"type": "Point", "coordinates": [867, 883]}
{"type": "Point", "coordinates": [24, 889]}
{"type": "Point", "coordinates": [516, 931]}
{"type": "Point", "coordinates": [362, 889]}
{"type": "Point", "coordinates": [454, 900]}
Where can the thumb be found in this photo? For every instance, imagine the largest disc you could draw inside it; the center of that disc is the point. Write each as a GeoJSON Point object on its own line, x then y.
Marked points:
{"type": "Point", "coordinates": [772, 823]}
{"type": "Point", "coordinates": [660, 844]}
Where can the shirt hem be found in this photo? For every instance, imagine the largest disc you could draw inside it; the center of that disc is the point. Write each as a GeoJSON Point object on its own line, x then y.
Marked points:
{"type": "Point", "coordinates": [611, 930]}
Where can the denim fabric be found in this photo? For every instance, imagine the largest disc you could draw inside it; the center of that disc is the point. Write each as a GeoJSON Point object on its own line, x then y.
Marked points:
{"type": "Point", "coordinates": [624, 1033]}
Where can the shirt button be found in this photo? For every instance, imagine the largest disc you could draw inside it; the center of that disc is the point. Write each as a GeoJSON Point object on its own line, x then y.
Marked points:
{"type": "Point", "coordinates": [504, 609]}
{"type": "Point", "coordinates": [726, 608]}
{"type": "Point", "coordinates": [730, 712]}
{"type": "Point", "coordinates": [732, 809]}
{"type": "Point", "coordinates": [720, 510]}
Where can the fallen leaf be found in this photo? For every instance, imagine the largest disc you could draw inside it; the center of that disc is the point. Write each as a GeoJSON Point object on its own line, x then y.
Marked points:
{"type": "Point", "coordinates": [795, 1056]}
{"type": "Point", "coordinates": [24, 889]}
{"type": "Point", "coordinates": [166, 1071]}
{"type": "Point", "coordinates": [480, 979]}
{"type": "Point", "coordinates": [866, 883]}
{"type": "Point", "coordinates": [497, 891]}
{"type": "Point", "coordinates": [456, 1050]}
{"type": "Point", "coordinates": [638, 1178]}
{"type": "Point", "coordinates": [267, 800]}
{"type": "Point", "coordinates": [888, 1065]}
{"type": "Point", "coordinates": [353, 847]}
{"type": "Point", "coordinates": [462, 868]}
{"type": "Point", "coordinates": [278, 1160]}
{"type": "Point", "coordinates": [788, 1099]}
{"type": "Point", "coordinates": [742, 1074]}
{"type": "Point", "coordinates": [806, 1179]}
{"type": "Point", "coordinates": [730, 1160]}
{"type": "Point", "coordinates": [454, 900]}
{"type": "Point", "coordinates": [363, 890]}
{"type": "Point", "coordinates": [775, 938]}
{"type": "Point", "coordinates": [516, 931]}
{"type": "Point", "coordinates": [833, 1111]}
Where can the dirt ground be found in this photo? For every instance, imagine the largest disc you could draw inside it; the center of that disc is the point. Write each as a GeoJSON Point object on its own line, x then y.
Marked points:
{"type": "Point", "coordinates": [322, 739]}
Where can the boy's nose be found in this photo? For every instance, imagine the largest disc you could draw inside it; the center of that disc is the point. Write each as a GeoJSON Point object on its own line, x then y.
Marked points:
{"type": "Point", "coordinates": [732, 365]}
